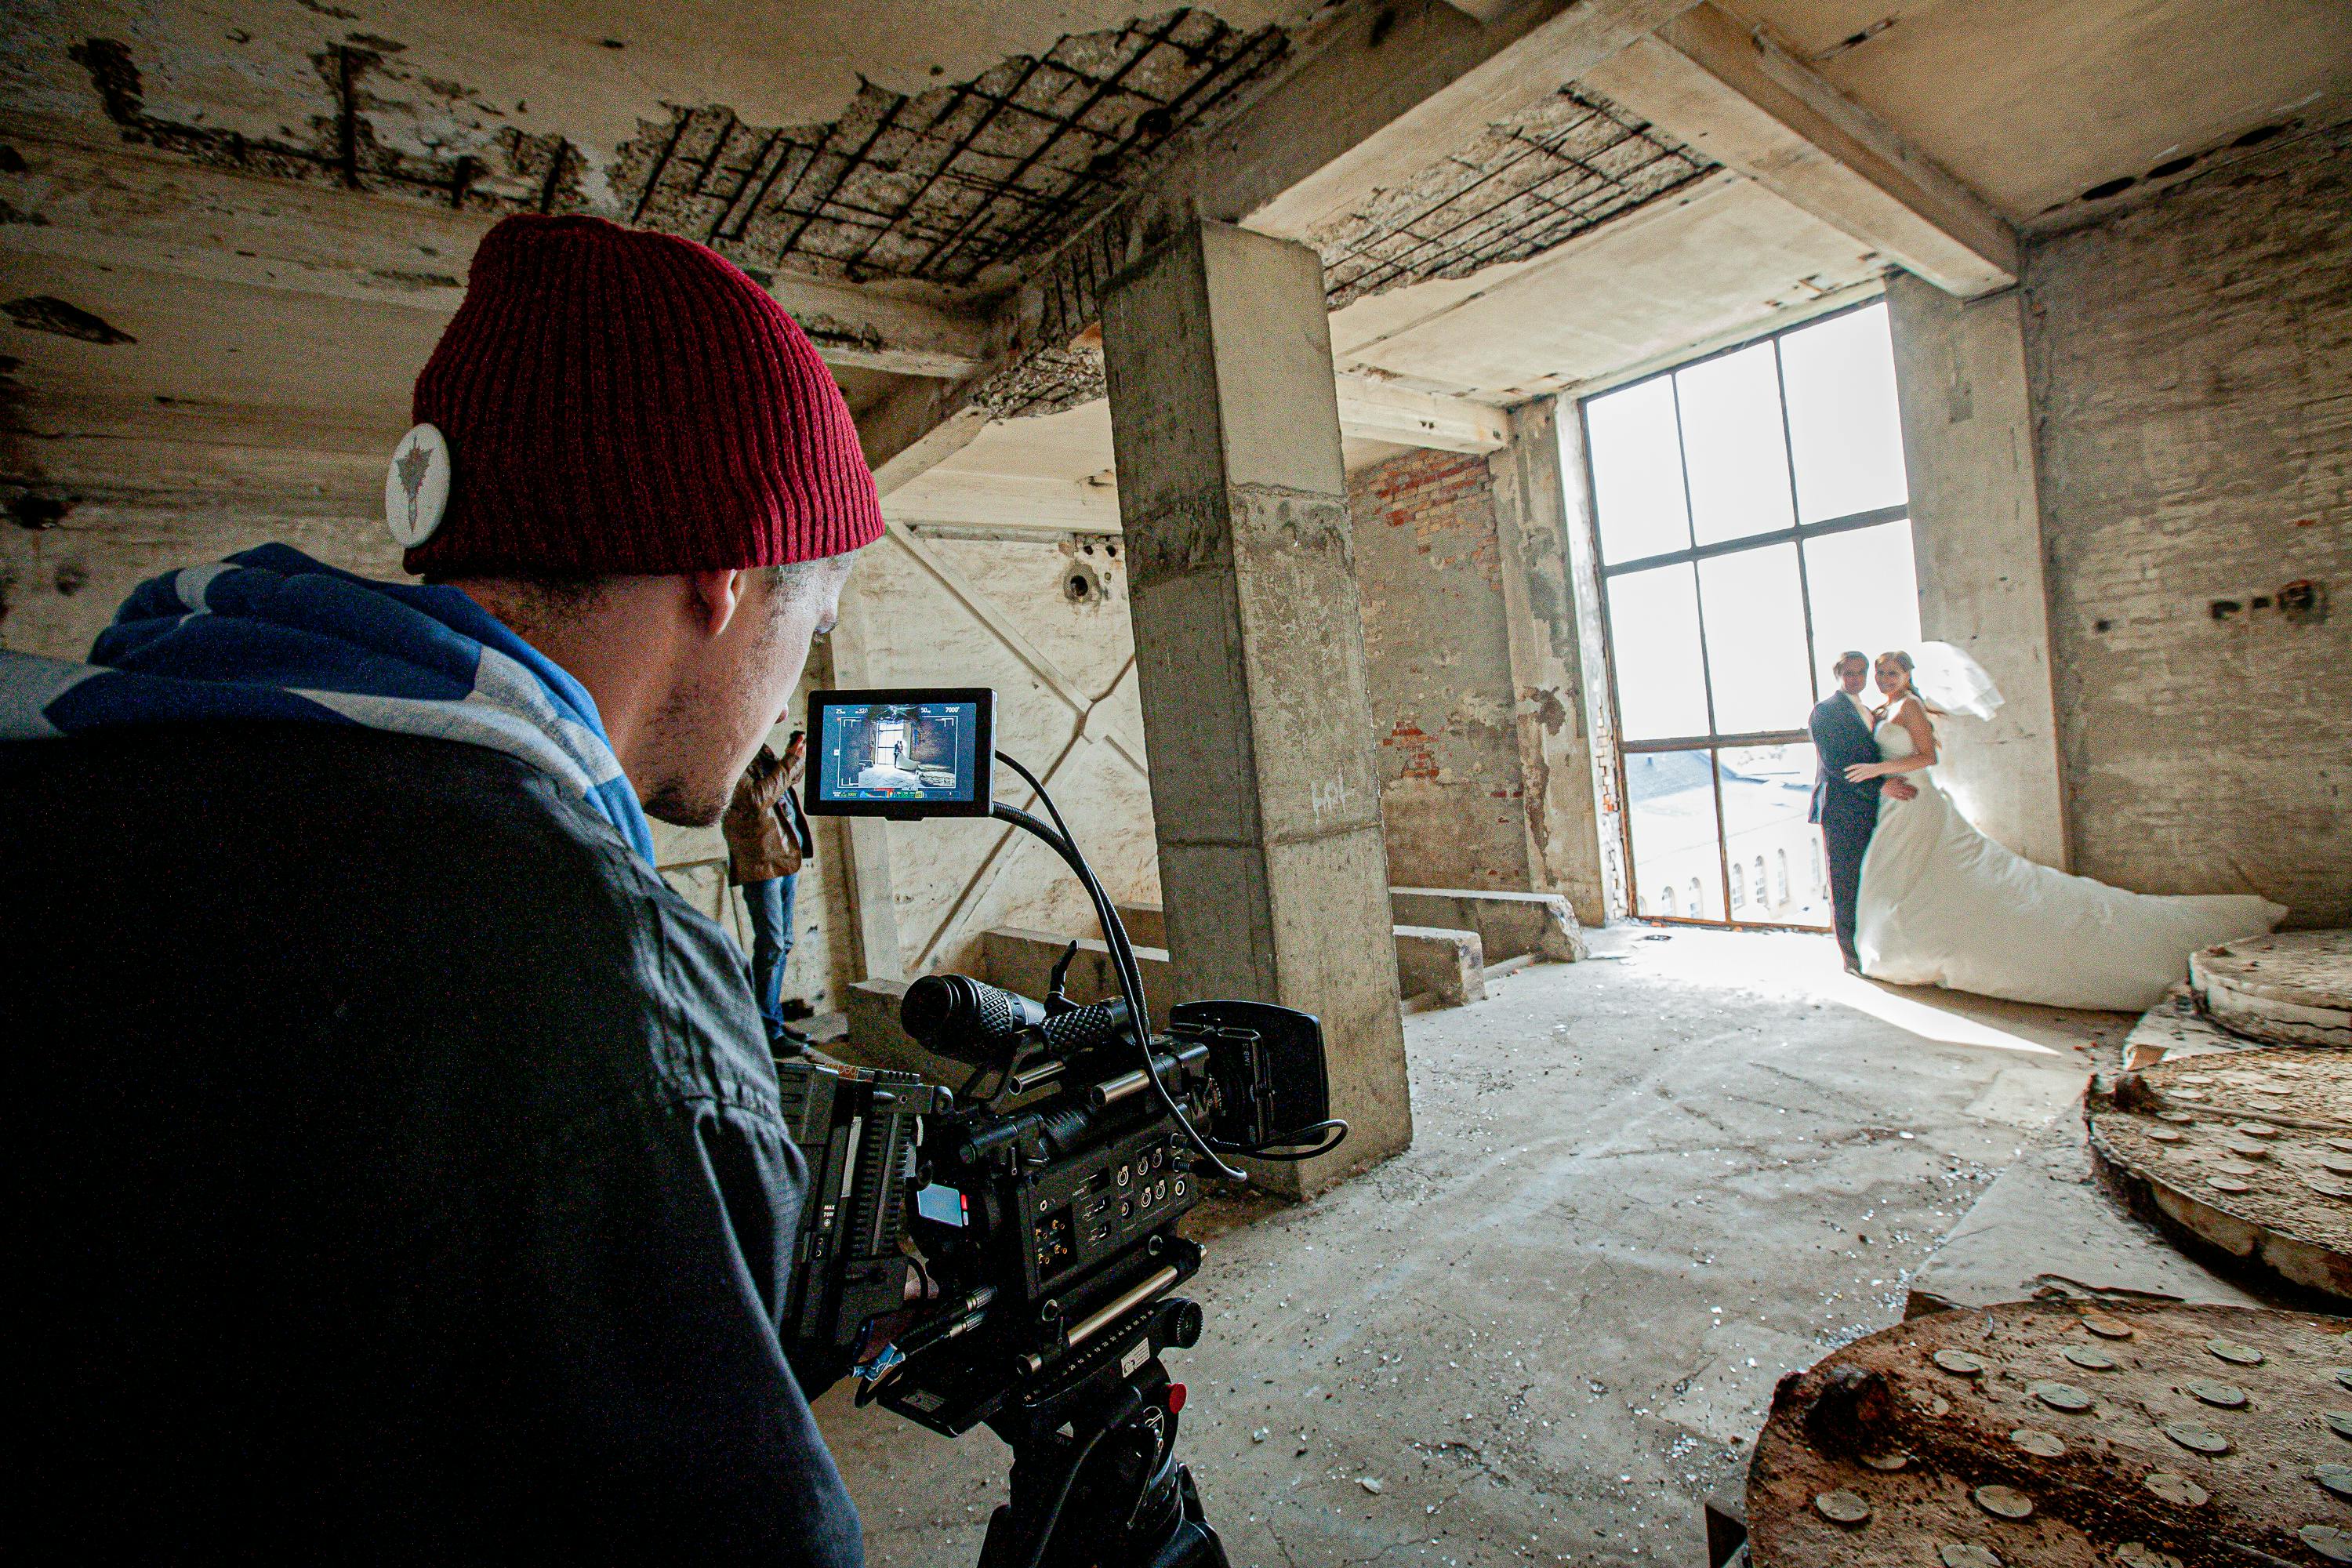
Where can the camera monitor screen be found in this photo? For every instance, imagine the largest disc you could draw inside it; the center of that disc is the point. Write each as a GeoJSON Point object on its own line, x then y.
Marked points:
{"type": "Point", "coordinates": [908, 754]}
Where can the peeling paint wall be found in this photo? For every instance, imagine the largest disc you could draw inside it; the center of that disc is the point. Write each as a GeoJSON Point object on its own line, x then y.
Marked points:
{"type": "Point", "coordinates": [1438, 672]}
{"type": "Point", "coordinates": [2190, 363]}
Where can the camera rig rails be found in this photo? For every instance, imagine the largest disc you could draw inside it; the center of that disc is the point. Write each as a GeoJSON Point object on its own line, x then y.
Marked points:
{"type": "Point", "coordinates": [1038, 1202]}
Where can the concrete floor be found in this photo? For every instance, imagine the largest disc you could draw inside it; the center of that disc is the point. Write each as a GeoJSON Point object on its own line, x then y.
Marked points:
{"type": "Point", "coordinates": [1642, 1188]}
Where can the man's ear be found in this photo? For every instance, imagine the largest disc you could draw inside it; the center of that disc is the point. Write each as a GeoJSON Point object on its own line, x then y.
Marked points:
{"type": "Point", "coordinates": [714, 597]}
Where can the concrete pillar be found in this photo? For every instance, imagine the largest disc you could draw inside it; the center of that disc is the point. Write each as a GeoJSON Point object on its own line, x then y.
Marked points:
{"type": "Point", "coordinates": [1599, 712]}
{"type": "Point", "coordinates": [1976, 531]}
{"type": "Point", "coordinates": [1250, 657]}
{"type": "Point", "coordinates": [1547, 689]}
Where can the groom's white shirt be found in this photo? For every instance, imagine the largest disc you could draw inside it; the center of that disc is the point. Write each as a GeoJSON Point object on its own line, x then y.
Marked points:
{"type": "Point", "coordinates": [1859, 705]}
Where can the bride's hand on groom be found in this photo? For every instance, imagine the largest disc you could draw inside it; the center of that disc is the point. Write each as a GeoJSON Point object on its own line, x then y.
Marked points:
{"type": "Point", "coordinates": [1863, 773]}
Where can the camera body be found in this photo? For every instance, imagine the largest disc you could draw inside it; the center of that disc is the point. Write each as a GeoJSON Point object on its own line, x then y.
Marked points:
{"type": "Point", "coordinates": [1044, 1214]}
{"type": "Point", "coordinates": [1040, 1201]}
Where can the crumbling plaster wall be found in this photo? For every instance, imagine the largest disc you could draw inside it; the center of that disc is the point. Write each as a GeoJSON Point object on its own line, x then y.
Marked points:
{"type": "Point", "coordinates": [1438, 672]}
{"type": "Point", "coordinates": [2190, 362]}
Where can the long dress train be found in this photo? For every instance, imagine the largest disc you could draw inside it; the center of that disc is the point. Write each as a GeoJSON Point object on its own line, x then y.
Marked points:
{"type": "Point", "coordinates": [1943, 905]}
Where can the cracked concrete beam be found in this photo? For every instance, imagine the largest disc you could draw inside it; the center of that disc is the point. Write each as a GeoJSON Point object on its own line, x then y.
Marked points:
{"type": "Point", "coordinates": [1374, 411]}
{"type": "Point", "coordinates": [1369, 410]}
{"type": "Point", "coordinates": [117, 204]}
{"type": "Point", "coordinates": [918, 428]}
{"type": "Point", "coordinates": [1731, 93]}
{"type": "Point", "coordinates": [1018, 502]}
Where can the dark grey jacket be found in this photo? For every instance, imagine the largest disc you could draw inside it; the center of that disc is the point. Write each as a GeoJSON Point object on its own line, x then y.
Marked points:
{"type": "Point", "coordinates": [396, 1165]}
{"type": "Point", "coordinates": [1840, 739]}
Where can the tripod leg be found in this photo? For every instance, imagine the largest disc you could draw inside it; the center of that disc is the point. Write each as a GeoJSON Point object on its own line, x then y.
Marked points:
{"type": "Point", "coordinates": [1193, 1545]}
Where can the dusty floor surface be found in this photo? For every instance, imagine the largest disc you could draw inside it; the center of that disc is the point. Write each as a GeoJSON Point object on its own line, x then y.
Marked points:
{"type": "Point", "coordinates": [1640, 1188]}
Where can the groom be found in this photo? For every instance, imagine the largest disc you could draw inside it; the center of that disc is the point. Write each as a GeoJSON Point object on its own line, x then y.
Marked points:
{"type": "Point", "coordinates": [1847, 812]}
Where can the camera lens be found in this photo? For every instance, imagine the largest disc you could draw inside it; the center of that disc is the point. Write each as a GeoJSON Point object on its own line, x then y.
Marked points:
{"type": "Point", "coordinates": [959, 1016]}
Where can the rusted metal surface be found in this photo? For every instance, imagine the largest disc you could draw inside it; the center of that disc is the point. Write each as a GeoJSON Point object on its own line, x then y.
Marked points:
{"type": "Point", "coordinates": [2245, 1158]}
{"type": "Point", "coordinates": [2291, 988]}
{"type": "Point", "coordinates": [2048, 1435]}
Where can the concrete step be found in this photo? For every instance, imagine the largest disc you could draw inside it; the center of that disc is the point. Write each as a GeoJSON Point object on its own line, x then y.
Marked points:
{"type": "Point", "coordinates": [1437, 966]}
{"type": "Point", "coordinates": [1541, 925]}
{"type": "Point", "coordinates": [1448, 966]}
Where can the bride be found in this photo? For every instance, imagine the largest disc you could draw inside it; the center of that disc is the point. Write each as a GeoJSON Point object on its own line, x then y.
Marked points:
{"type": "Point", "coordinates": [1943, 905]}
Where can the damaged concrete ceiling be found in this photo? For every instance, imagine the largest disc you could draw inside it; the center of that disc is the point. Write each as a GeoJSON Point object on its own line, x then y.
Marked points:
{"type": "Point", "coordinates": [2034, 102]}
{"type": "Point", "coordinates": [918, 158]}
{"type": "Point", "coordinates": [950, 182]}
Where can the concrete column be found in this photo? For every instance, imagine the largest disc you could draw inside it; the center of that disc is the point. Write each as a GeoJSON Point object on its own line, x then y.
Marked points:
{"type": "Point", "coordinates": [1250, 657]}
{"type": "Point", "coordinates": [1599, 710]}
{"type": "Point", "coordinates": [1547, 698]}
{"type": "Point", "coordinates": [1976, 531]}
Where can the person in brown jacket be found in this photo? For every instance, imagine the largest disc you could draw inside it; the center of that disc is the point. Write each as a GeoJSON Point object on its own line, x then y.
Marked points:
{"type": "Point", "coordinates": [767, 844]}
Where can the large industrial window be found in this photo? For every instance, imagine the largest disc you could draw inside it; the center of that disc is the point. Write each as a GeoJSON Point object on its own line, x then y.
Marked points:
{"type": "Point", "coordinates": [1753, 522]}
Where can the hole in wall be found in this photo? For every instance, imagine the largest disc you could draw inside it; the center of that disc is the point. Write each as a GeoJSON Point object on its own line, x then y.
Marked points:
{"type": "Point", "coordinates": [1081, 585]}
{"type": "Point", "coordinates": [2107, 188]}
{"type": "Point", "coordinates": [2259, 134]}
{"type": "Point", "coordinates": [2172, 166]}
{"type": "Point", "coordinates": [37, 512]}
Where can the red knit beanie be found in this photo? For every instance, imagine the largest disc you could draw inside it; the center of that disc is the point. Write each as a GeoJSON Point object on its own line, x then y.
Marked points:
{"type": "Point", "coordinates": [619, 402]}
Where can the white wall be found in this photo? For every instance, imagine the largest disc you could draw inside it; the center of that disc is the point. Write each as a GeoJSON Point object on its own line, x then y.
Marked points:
{"type": "Point", "coordinates": [971, 612]}
{"type": "Point", "coordinates": [1975, 532]}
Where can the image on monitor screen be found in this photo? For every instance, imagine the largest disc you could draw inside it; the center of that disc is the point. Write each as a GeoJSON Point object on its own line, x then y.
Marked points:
{"type": "Point", "coordinates": [905, 753]}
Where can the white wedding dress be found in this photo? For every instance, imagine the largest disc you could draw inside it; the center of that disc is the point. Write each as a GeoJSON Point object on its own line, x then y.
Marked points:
{"type": "Point", "coordinates": [1943, 905]}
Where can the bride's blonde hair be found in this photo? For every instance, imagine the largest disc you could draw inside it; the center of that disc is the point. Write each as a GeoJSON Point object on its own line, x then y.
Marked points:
{"type": "Point", "coordinates": [1903, 660]}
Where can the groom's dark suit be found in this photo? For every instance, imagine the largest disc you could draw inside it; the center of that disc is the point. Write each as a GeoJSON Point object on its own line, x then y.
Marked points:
{"type": "Point", "coordinates": [1847, 812]}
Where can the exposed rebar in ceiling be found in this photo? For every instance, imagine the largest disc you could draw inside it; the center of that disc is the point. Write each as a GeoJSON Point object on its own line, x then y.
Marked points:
{"type": "Point", "coordinates": [1526, 185]}
{"type": "Point", "coordinates": [945, 185]}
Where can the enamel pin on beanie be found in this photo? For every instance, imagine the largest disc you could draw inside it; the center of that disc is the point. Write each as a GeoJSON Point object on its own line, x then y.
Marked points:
{"type": "Point", "coordinates": [416, 486]}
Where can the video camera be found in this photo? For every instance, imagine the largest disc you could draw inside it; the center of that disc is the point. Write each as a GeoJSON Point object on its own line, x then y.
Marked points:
{"type": "Point", "coordinates": [1039, 1200]}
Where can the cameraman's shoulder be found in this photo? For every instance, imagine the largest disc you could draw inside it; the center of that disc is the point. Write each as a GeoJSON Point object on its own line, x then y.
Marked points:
{"type": "Point", "coordinates": [589, 951]}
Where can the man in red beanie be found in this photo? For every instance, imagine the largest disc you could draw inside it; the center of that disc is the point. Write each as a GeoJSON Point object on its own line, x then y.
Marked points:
{"type": "Point", "coordinates": [401, 1158]}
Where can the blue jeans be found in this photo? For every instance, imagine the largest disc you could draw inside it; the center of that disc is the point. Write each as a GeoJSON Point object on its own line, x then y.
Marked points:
{"type": "Point", "coordinates": [770, 905]}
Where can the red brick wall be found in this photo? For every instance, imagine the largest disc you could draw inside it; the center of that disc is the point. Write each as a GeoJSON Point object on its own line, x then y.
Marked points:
{"type": "Point", "coordinates": [1437, 666]}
